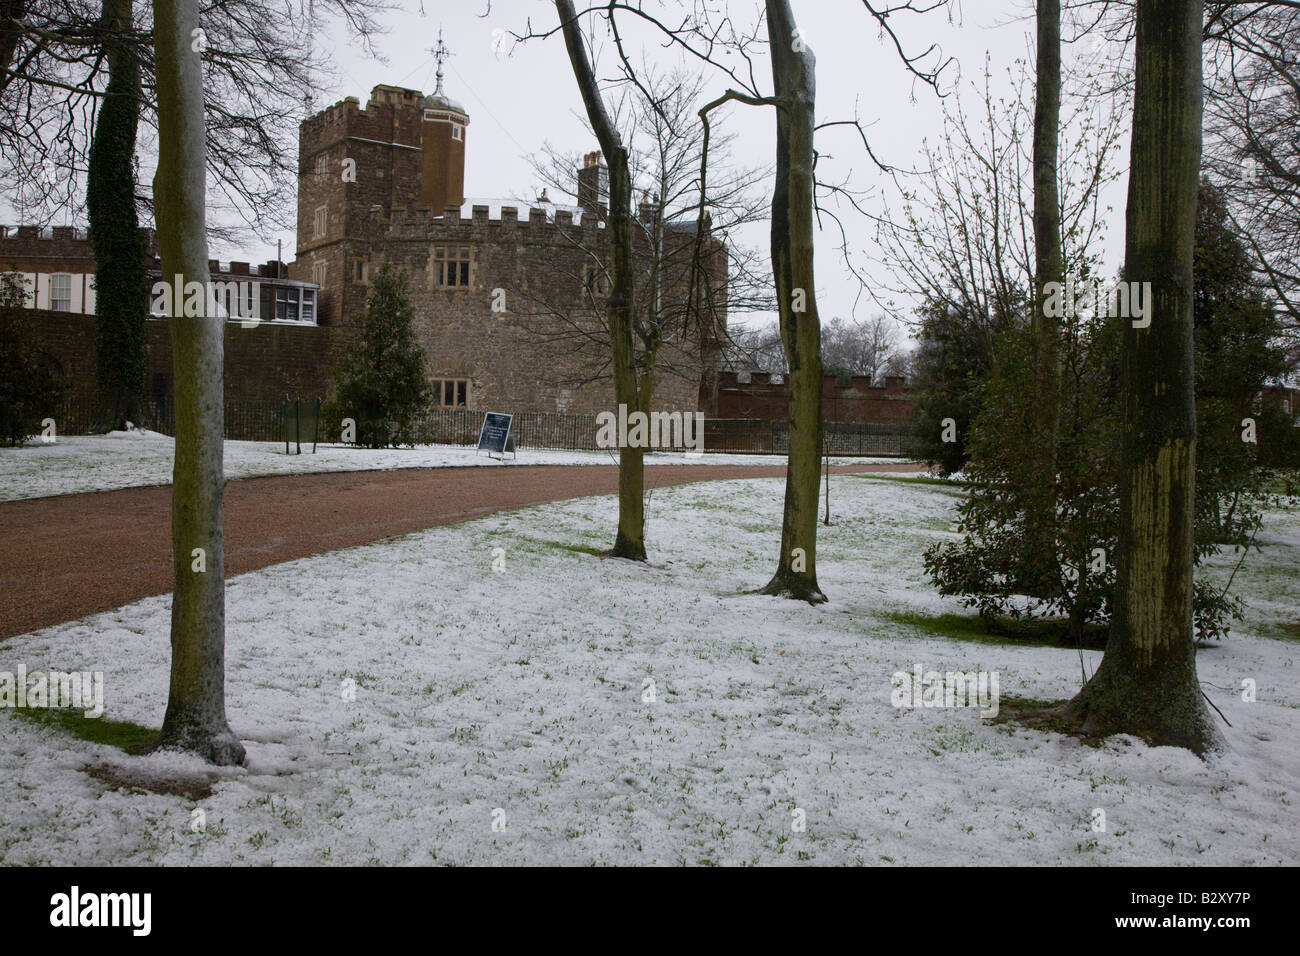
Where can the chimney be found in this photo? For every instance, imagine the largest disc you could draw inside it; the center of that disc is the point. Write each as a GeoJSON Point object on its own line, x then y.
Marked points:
{"type": "Point", "coordinates": [593, 185]}
{"type": "Point", "coordinates": [648, 210]}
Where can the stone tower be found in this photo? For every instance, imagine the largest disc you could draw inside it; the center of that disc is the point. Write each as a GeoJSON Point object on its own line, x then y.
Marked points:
{"type": "Point", "coordinates": [442, 182]}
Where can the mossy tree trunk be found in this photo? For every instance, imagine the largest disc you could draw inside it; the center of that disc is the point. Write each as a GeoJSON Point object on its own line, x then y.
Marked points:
{"type": "Point", "coordinates": [794, 87]}
{"type": "Point", "coordinates": [630, 539]}
{"type": "Point", "coordinates": [121, 304]}
{"type": "Point", "coordinates": [1039, 570]}
{"type": "Point", "coordinates": [1146, 684]}
{"type": "Point", "coordinates": [196, 704]}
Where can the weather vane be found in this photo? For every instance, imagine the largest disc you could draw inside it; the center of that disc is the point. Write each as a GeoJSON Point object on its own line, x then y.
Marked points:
{"type": "Point", "coordinates": [440, 53]}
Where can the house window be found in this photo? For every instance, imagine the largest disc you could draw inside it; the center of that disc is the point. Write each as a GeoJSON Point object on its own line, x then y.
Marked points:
{"type": "Point", "coordinates": [61, 293]}
{"type": "Point", "coordinates": [286, 303]}
{"type": "Point", "coordinates": [451, 392]}
{"type": "Point", "coordinates": [318, 272]}
{"type": "Point", "coordinates": [451, 266]}
{"type": "Point", "coordinates": [322, 167]}
{"type": "Point", "coordinates": [321, 221]}
{"type": "Point", "coordinates": [594, 279]}
{"type": "Point", "coordinates": [308, 310]}
{"type": "Point", "coordinates": [457, 133]}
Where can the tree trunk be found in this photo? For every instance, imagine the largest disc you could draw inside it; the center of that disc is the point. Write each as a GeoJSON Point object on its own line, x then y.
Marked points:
{"type": "Point", "coordinates": [794, 85]}
{"type": "Point", "coordinates": [1146, 684]}
{"type": "Point", "coordinates": [9, 10]}
{"type": "Point", "coordinates": [196, 705]}
{"type": "Point", "coordinates": [630, 539]}
{"type": "Point", "coordinates": [121, 305]}
{"type": "Point", "coordinates": [1040, 573]}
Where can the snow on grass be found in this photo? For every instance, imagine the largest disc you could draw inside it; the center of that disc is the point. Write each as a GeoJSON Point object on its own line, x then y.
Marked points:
{"type": "Point", "coordinates": [133, 459]}
{"type": "Point", "coordinates": [522, 690]}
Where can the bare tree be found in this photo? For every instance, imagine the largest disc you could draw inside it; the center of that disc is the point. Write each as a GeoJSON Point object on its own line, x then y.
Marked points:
{"type": "Point", "coordinates": [196, 703]}
{"type": "Point", "coordinates": [629, 541]}
{"type": "Point", "coordinates": [962, 236]}
{"type": "Point", "coordinates": [683, 306]}
{"type": "Point", "coordinates": [74, 89]}
{"type": "Point", "coordinates": [793, 207]}
{"type": "Point", "coordinates": [1146, 683]}
{"type": "Point", "coordinates": [794, 89]}
{"type": "Point", "coordinates": [1251, 150]}
{"type": "Point", "coordinates": [861, 348]}
{"type": "Point", "coordinates": [1049, 266]}
{"type": "Point", "coordinates": [260, 77]}
{"type": "Point", "coordinates": [756, 348]}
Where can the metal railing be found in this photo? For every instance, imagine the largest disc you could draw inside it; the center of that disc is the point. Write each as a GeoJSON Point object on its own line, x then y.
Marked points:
{"type": "Point", "coordinates": [265, 421]}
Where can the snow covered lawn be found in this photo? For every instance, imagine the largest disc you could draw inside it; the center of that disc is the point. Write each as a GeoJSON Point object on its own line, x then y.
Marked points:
{"type": "Point", "coordinates": [519, 697]}
{"type": "Point", "coordinates": [128, 460]}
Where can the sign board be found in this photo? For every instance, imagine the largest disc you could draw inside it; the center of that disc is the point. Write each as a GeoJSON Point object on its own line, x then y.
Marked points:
{"type": "Point", "coordinates": [301, 423]}
{"type": "Point", "coordinates": [496, 434]}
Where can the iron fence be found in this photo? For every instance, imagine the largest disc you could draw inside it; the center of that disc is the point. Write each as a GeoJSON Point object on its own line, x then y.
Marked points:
{"type": "Point", "coordinates": [265, 421]}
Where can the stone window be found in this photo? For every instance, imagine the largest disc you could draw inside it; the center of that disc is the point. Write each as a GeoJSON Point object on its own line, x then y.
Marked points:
{"type": "Point", "coordinates": [322, 167]}
{"type": "Point", "coordinates": [318, 270]}
{"type": "Point", "coordinates": [451, 266]}
{"type": "Point", "coordinates": [457, 133]}
{"type": "Point", "coordinates": [361, 270]}
{"type": "Point", "coordinates": [321, 221]}
{"type": "Point", "coordinates": [451, 392]}
{"type": "Point", "coordinates": [61, 293]}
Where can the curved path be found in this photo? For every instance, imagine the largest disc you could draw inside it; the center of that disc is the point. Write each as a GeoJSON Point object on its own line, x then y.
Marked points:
{"type": "Point", "coordinates": [67, 556]}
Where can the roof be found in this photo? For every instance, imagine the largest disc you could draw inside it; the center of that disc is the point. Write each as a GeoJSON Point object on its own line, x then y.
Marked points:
{"type": "Point", "coordinates": [437, 101]}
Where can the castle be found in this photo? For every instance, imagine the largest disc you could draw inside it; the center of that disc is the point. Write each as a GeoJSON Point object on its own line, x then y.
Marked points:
{"type": "Point", "coordinates": [508, 297]}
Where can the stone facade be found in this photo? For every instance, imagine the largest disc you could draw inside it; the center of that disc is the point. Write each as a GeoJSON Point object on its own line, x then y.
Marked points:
{"type": "Point", "coordinates": [509, 299]}
{"type": "Point", "coordinates": [518, 325]}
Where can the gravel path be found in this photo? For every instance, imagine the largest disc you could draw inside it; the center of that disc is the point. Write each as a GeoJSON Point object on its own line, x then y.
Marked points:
{"type": "Point", "coordinates": [68, 556]}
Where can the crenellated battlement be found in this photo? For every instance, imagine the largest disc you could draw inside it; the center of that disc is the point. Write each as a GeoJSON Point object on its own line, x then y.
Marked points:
{"type": "Point", "coordinates": [520, 221]}
{"type": "Point", "coordinates": [51, 233]}
{"type": "Point", "coordinates": [392, 115]}
{"type": "Point", "coordinates": [69, 245]}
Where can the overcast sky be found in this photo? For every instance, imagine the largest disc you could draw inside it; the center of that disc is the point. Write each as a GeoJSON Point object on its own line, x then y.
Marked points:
{"type": "Point", "coordinates": [520, 99]}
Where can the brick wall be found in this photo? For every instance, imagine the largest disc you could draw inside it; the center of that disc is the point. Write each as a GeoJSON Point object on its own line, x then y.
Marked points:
{"type": "Point", "coordinates": [858, 401]}
{"type": "Point", "coordinates": [261, 363]}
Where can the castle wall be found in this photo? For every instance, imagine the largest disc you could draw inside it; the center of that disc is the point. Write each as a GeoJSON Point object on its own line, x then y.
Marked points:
{"type": "Point", "coordinates": [262, 363]}
{"type": "Point", "coordinates": [543, 347]}
{"type": "Point", "coordinates": [544, 352]}
{"type": "Point", "coordinates": [858, 401]}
